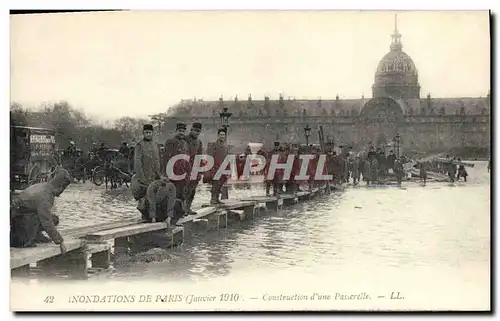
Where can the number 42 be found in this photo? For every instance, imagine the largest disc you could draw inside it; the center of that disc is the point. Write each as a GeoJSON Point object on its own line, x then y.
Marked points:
{"type": "Point", "coordinates": [49, 299]}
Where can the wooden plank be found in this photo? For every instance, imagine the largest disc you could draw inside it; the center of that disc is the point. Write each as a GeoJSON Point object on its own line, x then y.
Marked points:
{"type": "Point", "coordinates": [84, 230]}
{"type": "Point", "coordinates": [201, 213]}
{"type": "Point", "coordinates": [237, 205]}
{"type": "Point", "coordinates": [127, 231]}
{"type": "Point", "coordinates": [24, 256]}
{"type": "Point", "coordinates": [260, 199]}
{"type": "Point", "coordinates": [98, 247]}
{"type": "Point", "coordinates": [287, 196]}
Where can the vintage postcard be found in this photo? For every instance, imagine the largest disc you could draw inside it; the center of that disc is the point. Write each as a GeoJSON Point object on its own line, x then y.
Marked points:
{"type": "Point", "coordinates": [250, 161]}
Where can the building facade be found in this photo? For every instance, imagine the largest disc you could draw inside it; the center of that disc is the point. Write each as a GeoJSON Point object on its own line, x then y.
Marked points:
{"type": "Point", "coordinates": [423, 124]}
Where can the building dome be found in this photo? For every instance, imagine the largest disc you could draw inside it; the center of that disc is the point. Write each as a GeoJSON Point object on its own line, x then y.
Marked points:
{"type": "Point", "coordinates": [396, 75]}
{"type": "Point", "coordinates": [396, 66]}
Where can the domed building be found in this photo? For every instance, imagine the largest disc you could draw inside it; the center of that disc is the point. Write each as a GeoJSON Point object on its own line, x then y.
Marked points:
{"type": "Point", "coordinates": [395, 109]}
{"type": "Point", "coordinates": [396, 74]}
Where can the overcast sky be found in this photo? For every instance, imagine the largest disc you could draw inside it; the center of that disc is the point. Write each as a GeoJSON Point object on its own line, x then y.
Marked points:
{"type": "Point", "coordinates": [139, 63]}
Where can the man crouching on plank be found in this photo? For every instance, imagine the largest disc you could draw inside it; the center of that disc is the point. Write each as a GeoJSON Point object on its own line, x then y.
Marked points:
{"type": "Point", "coordinates": [31, 213]}
{"type": "Point", "coordinates": [159, 203]}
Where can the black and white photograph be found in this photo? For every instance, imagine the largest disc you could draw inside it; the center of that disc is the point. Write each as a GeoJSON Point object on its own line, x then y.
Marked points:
{"type": "Point", "coordinates": [245, 160]}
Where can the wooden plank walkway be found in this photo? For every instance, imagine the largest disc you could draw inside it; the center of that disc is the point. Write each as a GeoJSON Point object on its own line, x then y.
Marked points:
{"type": "Point", "coordinates": [95, 242]}
{"type": "Point", "coordinates": [130, 230]}
{"type": "Point", "coordinates": [24, 256]}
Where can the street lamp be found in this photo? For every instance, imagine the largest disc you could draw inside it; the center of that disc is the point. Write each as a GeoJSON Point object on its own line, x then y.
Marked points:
{"type": "Point", "coordinates": [224, 117]}
{"type": "Point", "coordinates": [307, 132]}
{"type": "Point", "coordinates": [397, 141]}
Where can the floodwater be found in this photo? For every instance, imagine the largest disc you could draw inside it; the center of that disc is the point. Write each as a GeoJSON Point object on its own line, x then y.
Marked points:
{"type": "Point", "coordinates": [436, 237]}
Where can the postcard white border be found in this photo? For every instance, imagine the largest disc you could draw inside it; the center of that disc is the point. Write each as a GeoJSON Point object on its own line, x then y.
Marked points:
{"type": "Point", "coordinates": [214, 4]}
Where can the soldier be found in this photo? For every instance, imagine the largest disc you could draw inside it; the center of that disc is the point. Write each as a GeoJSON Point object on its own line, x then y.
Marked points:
{"type": "Point", "coordinates": [266, 168]}
{"type": "Point", "coordinates": [461, 171]}
{"type": "Point", "coordinates": [262, 153]}
{"type": "Point", "coordinates": [356, 170]}
{"type": "Point", "coordinates": [146, 165]}
{"type": "Point", "coordinates": [160, 202]}
{"type": "Point", "coordinates": [278, 180]}
{"type": "Point", "coordinates": [391, 159]}
{"type": "Point", "coordinates": [451, 168]}
{"type": "Point", "coordinates": [178, 146]}
{"type": "Point", "coordinates": [398, 170]}
{"type": "Point", "coordinates": [219, 152]}
{"type": "Point", "coordinates": [101, 152]}
{"type": "Point", "coordinates": [195, 147]}
{"type": "Point", "coordinates": [71, 149]}
{"type": "Point", "coordinates": [423, 172]}
{"type": "Point", "coordinates": [31, 213]}
{"type": "Point", "coordinates": [292, 184]}
{"type": "Point", "coordinates": [124, 149]}
{"type": "Point", "coordinates": [311, 169]}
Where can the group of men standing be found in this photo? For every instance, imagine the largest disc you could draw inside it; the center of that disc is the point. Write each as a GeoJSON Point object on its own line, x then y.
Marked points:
{"type": "Point", "coordinates": [279, 182]}
{"type": "Point", "coordinates": [165, 198]}
{"type": "Point", "coordinates": [370, 167]}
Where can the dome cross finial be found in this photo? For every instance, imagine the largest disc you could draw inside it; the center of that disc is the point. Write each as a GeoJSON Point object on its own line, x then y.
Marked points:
{"type": "Point", "coordinates": [396, 36]}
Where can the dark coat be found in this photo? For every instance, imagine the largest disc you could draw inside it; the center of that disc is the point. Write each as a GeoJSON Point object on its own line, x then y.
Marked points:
{"type": "Point", "coordinates": [38, 199]}
{"type": "Point", "coordinates": [146, 162]}
{"type": "Point", "coordinates": [195, 147]}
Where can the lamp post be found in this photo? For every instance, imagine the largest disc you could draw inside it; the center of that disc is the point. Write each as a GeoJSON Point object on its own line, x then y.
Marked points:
{"type": "Point", "coordinates": [307, 132]}
{"type": "Point", "coordinates": [224, 120]}
{"type": "Point", "coordinates": [397, 141]}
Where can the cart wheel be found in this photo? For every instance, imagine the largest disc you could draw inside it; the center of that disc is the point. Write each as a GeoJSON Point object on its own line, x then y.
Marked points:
{"type": "Point", "coordinates": [98, 176]}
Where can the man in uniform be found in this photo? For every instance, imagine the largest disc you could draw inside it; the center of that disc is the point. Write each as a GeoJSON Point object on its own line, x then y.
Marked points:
{"type": "Point", "coordinates": [159, 202]}
{"type": "Point", "coordinates": [101, 152]}
{"type": "Point", "coordinates": [219, 152]}
{"type": "Point", "coordinates": [391, 159]}
{"type": "Point", "coordinates": [146, 165]}
{"type": "Point", "coordinates": [292, 185]}
{"type": "Point", "coordinates": [31, 213]}
{"type": "Point", "coordinates": [261, 152]}
{"type": "Point", "coordinates": [178, 146]}
{"type": "Point", "coordinates": [195, 147]}
{"type": "Point", "coordinates": [268, 181]}
{"type": "Point", "coordinates": [399, 170]}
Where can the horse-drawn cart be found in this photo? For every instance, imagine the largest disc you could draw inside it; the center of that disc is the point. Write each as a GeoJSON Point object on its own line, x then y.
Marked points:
{"type": "Point", "coordinates": [32, 155]}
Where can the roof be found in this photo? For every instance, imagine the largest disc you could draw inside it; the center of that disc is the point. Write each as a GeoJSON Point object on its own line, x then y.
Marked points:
{"type": "Point", "coordinates": [340, 107]}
